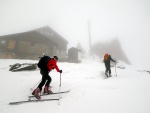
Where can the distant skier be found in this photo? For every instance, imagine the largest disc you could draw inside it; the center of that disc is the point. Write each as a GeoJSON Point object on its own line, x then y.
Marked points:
{"type": "Point", "coordinates": [44, 70]}
{"type": "Point", "coordinates": [107, 59]}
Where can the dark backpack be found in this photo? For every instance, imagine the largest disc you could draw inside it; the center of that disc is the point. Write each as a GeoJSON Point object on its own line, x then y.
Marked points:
{"type": "Point", "coordinates": [42, 64]}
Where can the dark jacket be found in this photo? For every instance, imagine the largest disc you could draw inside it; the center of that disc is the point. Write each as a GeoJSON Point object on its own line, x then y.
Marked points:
{"type": "Point", "coordinates": [107, 62]}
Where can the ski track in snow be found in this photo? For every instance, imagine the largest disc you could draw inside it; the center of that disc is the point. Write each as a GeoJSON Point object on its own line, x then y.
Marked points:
{"type": "Point", "coordinates": [89, 92]}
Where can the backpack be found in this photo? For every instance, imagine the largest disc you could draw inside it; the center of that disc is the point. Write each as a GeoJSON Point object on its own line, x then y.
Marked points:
{"type": "Point", "coordinates": [42, 64]}
{"type": "Point", "coordinates": [106, 57]}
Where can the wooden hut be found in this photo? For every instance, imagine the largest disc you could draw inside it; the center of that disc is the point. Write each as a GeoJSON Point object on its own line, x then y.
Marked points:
{"type": "Point", "coordinates": [32, 44]}
{"type": "Point", "coordinates": [74, 55]}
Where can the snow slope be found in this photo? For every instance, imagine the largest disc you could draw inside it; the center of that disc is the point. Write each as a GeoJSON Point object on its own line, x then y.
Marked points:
{"type": "Point", "coordinates": [90, 92]}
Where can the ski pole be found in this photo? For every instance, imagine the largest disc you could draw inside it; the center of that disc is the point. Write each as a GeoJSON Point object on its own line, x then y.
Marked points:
{"type": "Point", "coordinates": [35, 85]}
{"type": "Point", "coordinates": [115, 68]}
{"type": "Point", "coordinates": [59, 90]}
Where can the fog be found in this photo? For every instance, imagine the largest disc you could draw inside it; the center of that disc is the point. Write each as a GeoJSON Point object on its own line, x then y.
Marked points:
{"type": "Point", "coordinates": [126, 19]}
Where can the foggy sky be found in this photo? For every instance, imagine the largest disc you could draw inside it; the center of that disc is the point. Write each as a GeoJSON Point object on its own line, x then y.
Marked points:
{"type": "Point", "coordinates": [129, 20]}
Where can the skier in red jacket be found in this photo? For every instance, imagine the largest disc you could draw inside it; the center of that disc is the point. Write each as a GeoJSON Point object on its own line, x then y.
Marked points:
{"type": "Point", "coordinates": [52, 64]}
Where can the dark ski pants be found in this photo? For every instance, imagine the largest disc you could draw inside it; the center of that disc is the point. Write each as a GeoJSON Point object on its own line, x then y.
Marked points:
{"type": "Point", "coordinates": [108, 69]}
{"type": "Point", "coordinates": [45, 77]}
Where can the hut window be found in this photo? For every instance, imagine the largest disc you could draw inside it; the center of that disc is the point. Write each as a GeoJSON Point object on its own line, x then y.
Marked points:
{"type": "Point", "coordinates": [47, 33]}
{"type": "Point", "coordinates": [3, 42]}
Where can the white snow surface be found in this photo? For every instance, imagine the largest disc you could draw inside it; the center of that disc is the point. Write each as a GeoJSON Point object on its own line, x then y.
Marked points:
{"type": "Point", "coordinates": [90, 91]}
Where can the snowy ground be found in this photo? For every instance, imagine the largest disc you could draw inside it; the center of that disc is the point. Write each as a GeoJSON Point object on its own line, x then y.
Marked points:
{"type": "Point", "coordinates": [90, 92]}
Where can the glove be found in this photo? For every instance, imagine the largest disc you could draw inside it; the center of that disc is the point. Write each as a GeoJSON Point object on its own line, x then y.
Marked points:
{"type": "Point", "coordinates": [60, 71]}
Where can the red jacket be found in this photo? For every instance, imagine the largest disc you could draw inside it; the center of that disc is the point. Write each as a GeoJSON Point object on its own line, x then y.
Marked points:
{"type": "Point", "coordinates": [51, 64]}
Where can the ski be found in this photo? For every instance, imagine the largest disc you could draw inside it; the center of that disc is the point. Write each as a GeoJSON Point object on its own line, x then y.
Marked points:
{"type": "Point", "coordinates": [50, 93]}
{"type": "Point", "coordinates": [28, 101]}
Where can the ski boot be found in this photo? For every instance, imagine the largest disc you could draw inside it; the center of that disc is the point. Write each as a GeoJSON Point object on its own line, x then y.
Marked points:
{"type": "Point", "coordinates": [47, 90]}
{"type": "Point", "coordinates": [36, 93]}
{"type": "Point", "coordinates": [106, 74]}
{"type": "Point", "coordinates": [109, 75]}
